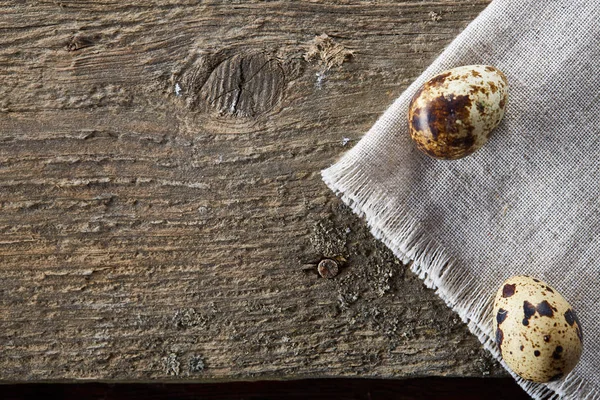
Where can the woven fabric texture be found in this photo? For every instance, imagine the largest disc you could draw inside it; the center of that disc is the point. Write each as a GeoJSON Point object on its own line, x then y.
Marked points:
{"type": "Point", "coordinates": [527, 202]}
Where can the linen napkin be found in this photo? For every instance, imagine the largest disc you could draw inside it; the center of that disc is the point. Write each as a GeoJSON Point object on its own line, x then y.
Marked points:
{"type": "Point", "coordinates": [526, 203]}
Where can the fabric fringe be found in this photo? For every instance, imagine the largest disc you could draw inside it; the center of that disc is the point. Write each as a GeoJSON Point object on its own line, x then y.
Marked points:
{"type": "Point", "coordinates": [401, 233]}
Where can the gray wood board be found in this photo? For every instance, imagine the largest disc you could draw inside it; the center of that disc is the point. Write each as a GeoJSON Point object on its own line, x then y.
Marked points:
{"type": "Point", "coordinates": [161, 207]}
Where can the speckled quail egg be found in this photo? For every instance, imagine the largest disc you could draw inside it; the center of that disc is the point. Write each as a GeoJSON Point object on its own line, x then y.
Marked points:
{"type": "Point", "coordinates": [536, 330]}
{"type": "Point", "coordinates": [453, 114]}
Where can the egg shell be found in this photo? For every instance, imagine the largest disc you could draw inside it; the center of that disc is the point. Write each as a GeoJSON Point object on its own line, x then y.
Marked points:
{"type": "Point", "coordinates": [537, 331]}
{"type": "Point", "coordinates": [453, 114]}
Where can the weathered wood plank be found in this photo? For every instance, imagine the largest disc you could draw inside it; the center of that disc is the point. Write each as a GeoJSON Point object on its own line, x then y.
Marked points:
{"type": "Point", "coordinates": [160, 195]}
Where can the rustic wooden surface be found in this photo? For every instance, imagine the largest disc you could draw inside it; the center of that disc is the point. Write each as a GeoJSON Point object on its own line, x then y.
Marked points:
{"type": "Point", "coordinates": [161, 206]}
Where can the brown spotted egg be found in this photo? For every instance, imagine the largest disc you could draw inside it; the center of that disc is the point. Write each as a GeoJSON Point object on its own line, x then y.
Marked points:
{"type": "Point", "coordinates": [453, 114]}
{"type": "Point", "coordinates": [536, 330]}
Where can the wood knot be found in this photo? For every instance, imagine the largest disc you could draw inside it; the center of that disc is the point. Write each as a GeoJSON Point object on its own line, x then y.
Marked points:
{"type": "Point", "coordinates": [244, 85]}
{"type": "Point", "coordinates": [80, 41]}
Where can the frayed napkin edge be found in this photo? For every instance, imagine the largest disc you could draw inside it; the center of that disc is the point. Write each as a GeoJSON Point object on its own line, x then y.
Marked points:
{"type": "Point", "coordinates": [436, 268]}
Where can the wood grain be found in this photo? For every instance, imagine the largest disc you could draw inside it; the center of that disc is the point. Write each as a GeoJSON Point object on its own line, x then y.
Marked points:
{"type": "Point", "coordinates": [161, 208]}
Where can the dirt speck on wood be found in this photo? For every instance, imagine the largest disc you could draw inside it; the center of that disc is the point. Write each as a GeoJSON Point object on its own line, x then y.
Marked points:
{"type": "Point", "coordinates": [196, 364]}
{"type": "Point", "coordinates": [172, 365]}
{"type": "Point", "coordinates": [435, 17]}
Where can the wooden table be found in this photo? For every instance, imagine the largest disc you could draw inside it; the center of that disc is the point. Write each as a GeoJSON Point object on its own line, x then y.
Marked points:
{"type": "Point", "coordinates": [161, 207]}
